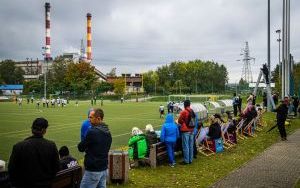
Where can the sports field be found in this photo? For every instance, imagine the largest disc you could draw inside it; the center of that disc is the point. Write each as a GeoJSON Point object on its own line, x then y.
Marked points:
{"type": "Point", "coordinates": [65, 123]}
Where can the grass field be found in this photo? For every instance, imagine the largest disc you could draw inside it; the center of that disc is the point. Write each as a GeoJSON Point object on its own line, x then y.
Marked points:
{"type": "Point", "coordinates": [64, 129]}
{"type": "Point", "coordinates": [65, 123]}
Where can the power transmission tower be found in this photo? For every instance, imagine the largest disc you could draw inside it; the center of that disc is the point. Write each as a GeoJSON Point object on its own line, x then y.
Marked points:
{"type": "Point", "coordinates": [82, 51]}
{"type": "Point", "coordinates": [246, 71]}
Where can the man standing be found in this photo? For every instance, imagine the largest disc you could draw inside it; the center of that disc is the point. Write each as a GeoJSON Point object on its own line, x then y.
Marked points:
{"type": "Point", "coordinates": [34, 162]}
{"type": "Point", "coordinates": [240, 104]}
{"type": "Point", "coordinates": [187, 133]}
{"type": "Point", "coordinates": [282, 112]}
{"type": "Point", "coordinates": [85, 126]}
{"type": "Point", "coordinates": [235, 103]}
{"type": "Point", "coordinates": [96, 146]}
{"type": "Point", "coordinates": [295, 104]}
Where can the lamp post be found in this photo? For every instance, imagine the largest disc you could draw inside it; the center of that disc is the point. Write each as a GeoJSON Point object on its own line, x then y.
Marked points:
{"type": "Point", "coordinates": [279, 40]}
{"type": "Point", "coordinates": [45, 68]}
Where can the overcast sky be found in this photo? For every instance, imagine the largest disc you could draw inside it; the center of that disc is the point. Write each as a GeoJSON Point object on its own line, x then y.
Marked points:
{"type": "Point", "coordinates": [140, 35]}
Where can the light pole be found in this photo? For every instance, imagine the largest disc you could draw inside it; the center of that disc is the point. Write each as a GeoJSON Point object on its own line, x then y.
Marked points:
{"type": "Point", "coordinates": [279, 40]}
{"type": "Point", "coordinates": [45, 68]}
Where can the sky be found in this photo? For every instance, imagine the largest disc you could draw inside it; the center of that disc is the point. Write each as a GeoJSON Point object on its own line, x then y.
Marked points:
{"type": "Point", "coordinates": [136, 36]}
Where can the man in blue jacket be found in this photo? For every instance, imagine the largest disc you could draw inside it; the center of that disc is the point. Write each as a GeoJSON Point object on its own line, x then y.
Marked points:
{"type": "Point", "coordinates": [169, 135]}
{"type": "Point", "coordinates": [85, 126]}
{"type": "Point", "coordinates": [96, 146]}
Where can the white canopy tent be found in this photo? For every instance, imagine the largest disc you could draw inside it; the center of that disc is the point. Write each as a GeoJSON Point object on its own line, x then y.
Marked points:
{"type": "Point", "coordinates": [198, 108]}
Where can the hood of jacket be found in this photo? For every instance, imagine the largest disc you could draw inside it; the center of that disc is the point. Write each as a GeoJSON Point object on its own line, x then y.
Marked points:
{"type": "Point", "coordinates": [169, 118]}
{"type": "Point", "coordinates": [103, 127]}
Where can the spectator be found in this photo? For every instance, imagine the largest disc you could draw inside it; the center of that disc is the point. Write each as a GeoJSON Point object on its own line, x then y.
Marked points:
{"type": "Point", "coordinates": [151, 135]}
{"type": "Point", "coordinates": [66, 160]}
{"type": "Point", "coordinates": [169, 135]}
{"type": "Point", "coordinates": [250, 99]}
{"type": "Point", "coordinates": [137, 144]}
{"type": "Point", "coordinates": [96, 146]}
{"type": "Point", "coordinates": [85, 126]}
{"type": "Point", "coordinates": [240, 104]}
{"type": "Point", "coordinates": [235, 103]}
{"type": "Point", "coordinates": [187, 133]}
{"type": "Point", "coordinates": [214, 128]}
{"type": "Point", "coordinates": [282, 112]}
{"type": "Point", "coordinates": [295, 104]}
{"type": "Point", "coordinates": [34, 162]}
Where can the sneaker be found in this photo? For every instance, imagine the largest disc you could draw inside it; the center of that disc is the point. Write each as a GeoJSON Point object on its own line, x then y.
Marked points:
{"type": "Point", "coordinates": [283, 139]}
{"type": "Point", "coordinates": [171, 165]}
{"type": "Point", "coordinates": [183, 163]}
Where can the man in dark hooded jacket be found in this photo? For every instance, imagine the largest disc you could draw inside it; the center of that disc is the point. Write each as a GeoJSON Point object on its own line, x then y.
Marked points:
{"type": "Point", "coordinates": [96, 146]}
{"type": "Point", "coordinates": [282, 112]}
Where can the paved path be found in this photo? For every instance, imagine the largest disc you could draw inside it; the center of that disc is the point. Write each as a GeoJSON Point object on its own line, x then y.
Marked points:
{"type": "Point", "coordinates": [278, 166]}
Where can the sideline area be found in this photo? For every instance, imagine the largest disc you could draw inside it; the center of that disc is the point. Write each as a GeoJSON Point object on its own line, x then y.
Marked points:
{"type": "Point", "coordinates": [278, 166]}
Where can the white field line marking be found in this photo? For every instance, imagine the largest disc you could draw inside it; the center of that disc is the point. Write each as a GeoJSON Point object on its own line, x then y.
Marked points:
{"type": "Point", "coordinates": [26, 130]}
{"type": "Point", "coordinates": [16, 134]}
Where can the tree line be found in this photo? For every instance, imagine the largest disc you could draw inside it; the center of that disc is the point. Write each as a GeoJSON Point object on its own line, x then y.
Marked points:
{"type": "Point", "coordinates": [178, 77]}
{"type": "Point", "coordinates": [187, 77]}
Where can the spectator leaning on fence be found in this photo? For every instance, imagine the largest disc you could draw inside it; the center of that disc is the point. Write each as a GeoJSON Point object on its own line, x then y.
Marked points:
{"type": "Point", "coordinates": [169, 135]}
{"type": "Point", "coordinates": [96, 146]}
{"type": "Point", "coordinates": [34, 161]}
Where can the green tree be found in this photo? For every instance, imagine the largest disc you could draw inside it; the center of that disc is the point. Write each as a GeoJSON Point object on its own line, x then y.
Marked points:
{"type": "Point", "coordinates": [57, 77]}
{"type": "Point", "coordinates": [33, 85]}
{"type": "Point", "coordinates": [119, 86]}
{"type": "Point", "coordinates": [80, 76]}
{"type": "Point", "coordinates": [104, 87]}
{"type": "Point", "coordinates": [10, 74]}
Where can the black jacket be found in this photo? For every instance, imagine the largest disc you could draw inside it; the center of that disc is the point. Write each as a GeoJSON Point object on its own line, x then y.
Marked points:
{"type": "Point", "coordinates": [67, 162]}
{"type": "Point", "coordinates": [214, 131]}
{"type": "Point", "coordinates": [34, 162]}
{"type": "Point", "coordinates": [151, 138]}
{"type": "Point", "coordinates": [96, 146]}
{"type": "Point", "coordinates": [282, 112]}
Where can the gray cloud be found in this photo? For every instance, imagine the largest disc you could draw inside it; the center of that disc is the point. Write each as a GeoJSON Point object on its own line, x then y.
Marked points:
{"type": "Point", "coordinates": [139, 35]}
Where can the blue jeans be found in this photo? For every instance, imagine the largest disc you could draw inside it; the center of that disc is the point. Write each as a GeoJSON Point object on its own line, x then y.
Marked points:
{"type": "Point", "coordinates": [93, 179]}
{"type": "Point", "coordinates": [170, 150]}
{"type": "Point", "coordinates": [188, 146]}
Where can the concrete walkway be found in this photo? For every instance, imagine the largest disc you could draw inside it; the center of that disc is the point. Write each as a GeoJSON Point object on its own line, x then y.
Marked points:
{"type": "Point", "coordinates": [278, 166]}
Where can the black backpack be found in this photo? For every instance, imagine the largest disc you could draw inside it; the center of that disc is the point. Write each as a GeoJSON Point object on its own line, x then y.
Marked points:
{"type": "Point", "coordinates": [191, 119]}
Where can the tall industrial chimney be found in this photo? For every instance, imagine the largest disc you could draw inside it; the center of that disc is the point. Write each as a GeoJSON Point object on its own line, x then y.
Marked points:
{"type": "Point", "coordinates": [47, 47]}
{"type": "Point", "coordinates": [89, 37]}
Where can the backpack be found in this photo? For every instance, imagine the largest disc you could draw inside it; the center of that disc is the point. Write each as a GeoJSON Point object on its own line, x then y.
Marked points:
{"type": "Point", "coordinates": [236, 100]}
{"type": "Point", "coordinates": [191, 119]}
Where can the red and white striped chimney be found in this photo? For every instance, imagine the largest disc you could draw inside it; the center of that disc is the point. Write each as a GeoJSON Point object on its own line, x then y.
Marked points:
{"type": "Point", "coordinates": [47, 18]}
{"type": "Point", "coordinates": [89, 37]}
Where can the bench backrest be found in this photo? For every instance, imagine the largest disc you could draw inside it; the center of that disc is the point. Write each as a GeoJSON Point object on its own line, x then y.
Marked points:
{"type": "Point", "coordinates": [69, 177]}
{"type": "Point", "coordinates": [158, 152]}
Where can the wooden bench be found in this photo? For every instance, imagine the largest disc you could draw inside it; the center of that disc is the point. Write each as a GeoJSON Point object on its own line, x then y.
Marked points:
{"type": "Point", "coordinates": [158, 154]}
{"type": "Point", "coordinates": [68, 178]}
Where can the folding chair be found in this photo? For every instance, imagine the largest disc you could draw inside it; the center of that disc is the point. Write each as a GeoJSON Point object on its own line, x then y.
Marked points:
{"type": "Point", "coordinates": [249, 129]}
{"type": "Point", "coordinates": [239, 130]}
{"type": "Point", "coordinates": [227, 143]}
{"type": "Point", "coordinates": [203, 144]}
